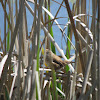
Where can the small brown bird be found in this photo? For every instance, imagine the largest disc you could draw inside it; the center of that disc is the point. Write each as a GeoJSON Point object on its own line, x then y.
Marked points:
{"type": "Point", "coordinates": [54, 61]}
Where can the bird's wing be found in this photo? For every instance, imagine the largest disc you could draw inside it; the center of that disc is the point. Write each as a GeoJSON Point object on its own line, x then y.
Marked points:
{"type": "Point", "coordinates": [58, 60]}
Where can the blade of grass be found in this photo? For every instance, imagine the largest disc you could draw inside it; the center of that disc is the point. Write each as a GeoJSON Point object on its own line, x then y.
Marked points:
{"type": "Point", "coordinates": [54, 85]}
{"type": "Point", "coordinates": [38, 90]}
{"type": "Point", "coordinates": [8, 37]}
{"type": "Point", "coordinates": [38, 31]}
{"type": "Point", "coordinates": [68, 48]}
{"type": "Point", "coordinates": [51, 32]}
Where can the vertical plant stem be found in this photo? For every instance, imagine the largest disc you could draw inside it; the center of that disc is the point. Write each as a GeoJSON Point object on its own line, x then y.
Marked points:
{"type": "Point", "coordinates": [94, 64]}
{"type": "Point", "coordinates": [5, 29]}
{"type": "Point", "coordinates": [11, 16]}
{"type": "Point", "coordinates": [38, 29]}
{"type": "Point", "coordinates": [98, 54]}
{"type": "Point", "coordinates": [38, 85]}
{"type": "Point", "coordinates": [54, 84]}
{"type": "Point", "coordinates": [34, 44]}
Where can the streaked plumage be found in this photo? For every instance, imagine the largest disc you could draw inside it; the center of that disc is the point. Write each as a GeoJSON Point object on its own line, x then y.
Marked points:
{"type": "Point", "coordinates": [55, 61]}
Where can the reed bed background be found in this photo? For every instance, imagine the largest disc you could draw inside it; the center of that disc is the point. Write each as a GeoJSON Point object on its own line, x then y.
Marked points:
{"type": "Point", "coordinates": [23, 72]}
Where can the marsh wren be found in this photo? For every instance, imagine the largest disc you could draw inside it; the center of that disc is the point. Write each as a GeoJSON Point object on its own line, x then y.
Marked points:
{"type": "Point", "coordinates": [54, 61]}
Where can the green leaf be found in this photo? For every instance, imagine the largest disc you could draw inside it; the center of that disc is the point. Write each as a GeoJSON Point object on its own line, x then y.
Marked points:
{"type": "Point", "coordinates": [8, 37]}
{"type": "Point", "coordinates": [68, 48]}
{"type": "Point", "coordinates": [51, 32]}
{"type": "Point", "coordinates": [53, 86]}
